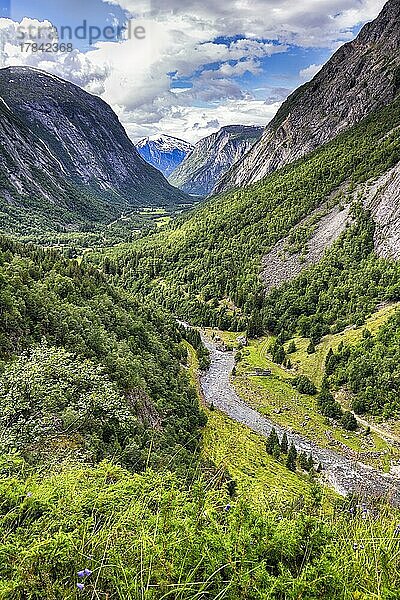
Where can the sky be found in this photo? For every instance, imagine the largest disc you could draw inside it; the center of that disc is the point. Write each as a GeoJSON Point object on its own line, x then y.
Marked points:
{"type": "Point", "coordinates": [182, 67]}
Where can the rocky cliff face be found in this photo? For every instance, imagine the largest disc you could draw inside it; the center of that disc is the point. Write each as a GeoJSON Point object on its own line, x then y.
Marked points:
{"type": "Point", "coordinates": [212, 157]}
{"type": "Point", "coordinates": [55, 137]}
{"type": "Point", "coordinates": [380, 196]}
{"type": "Point", "coordinates": [361, 77]}
{"type": "Point", "coordinates": [164, 152]}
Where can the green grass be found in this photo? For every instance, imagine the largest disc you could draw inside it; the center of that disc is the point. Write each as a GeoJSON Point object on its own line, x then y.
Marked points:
{"type": "Point", "coordinates": [313, 365]}
{"type": "Point", "coordinates": [235, 449]}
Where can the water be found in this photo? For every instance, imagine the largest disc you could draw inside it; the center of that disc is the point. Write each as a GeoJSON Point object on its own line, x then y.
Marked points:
{"type": "Point", "coordinates": [343, 474]}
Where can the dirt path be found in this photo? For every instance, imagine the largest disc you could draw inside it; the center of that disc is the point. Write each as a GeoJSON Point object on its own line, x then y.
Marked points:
{"type": "Point", "coordinates": [345, 475]}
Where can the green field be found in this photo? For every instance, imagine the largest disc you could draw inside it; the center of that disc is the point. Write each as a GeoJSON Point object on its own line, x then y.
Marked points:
{"type": "Point", "coordinates": [312, 365]}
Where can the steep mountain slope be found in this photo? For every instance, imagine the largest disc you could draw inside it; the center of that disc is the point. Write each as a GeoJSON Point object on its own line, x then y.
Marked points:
{"type": "Point", "coordinates": [209, 263]}
{"type": "Point", "coordinates": [66, 158]}
{"type": "Point", "coordinates": [212, 157]}
{"type": "Point", "coordinates": [362, 76]}
{"type": "Point", "coordinates": [87, 363]}
{"type": "Point", "coordinates": [164, 152]}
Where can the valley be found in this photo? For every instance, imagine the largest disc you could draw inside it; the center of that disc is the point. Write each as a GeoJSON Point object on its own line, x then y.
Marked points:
{"type": "Point", "coordinates": [200, 320]}
{"type": "Point", "coordinates": [346, 474]}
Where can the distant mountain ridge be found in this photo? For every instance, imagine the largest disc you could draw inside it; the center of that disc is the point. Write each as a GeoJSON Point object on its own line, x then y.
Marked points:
{"type": "Point", "coordinates": [65, 157]}
{"type": "Point", "coordinates": [212, 157]}
{"type": "Point", "coordinates": [164, 152]}
{"type": "Point", "coordinates": [362, 76]}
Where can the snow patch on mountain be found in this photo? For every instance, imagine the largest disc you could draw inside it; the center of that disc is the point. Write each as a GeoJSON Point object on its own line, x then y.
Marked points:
{"type": "Point", "coordinates": [164, 152]}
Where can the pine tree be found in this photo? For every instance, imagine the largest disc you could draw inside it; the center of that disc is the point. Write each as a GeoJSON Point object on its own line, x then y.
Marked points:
{"type": "Point", "coordinates": [330, 362]}
{"type": "Point", "coordinates": [276, 452]}
{"type": "Point", "coordinates": [311, 347]}
{"type": "Point", "coordinates": [303, 461]}
{"type": "Point", "coordinates": [272, 441]}
{"type": "Point", "coordinates": [284, 444]}
{"type": "Point", "coordinates": [291, 458]}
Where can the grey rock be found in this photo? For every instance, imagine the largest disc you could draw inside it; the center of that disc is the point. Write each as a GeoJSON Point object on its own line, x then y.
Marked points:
{"type": "Point", "coordinates": [362, 76]}
{"type": "Point", "coordinates": [212, 157]}
{"type": "Point", "coordinates": [62, 147]}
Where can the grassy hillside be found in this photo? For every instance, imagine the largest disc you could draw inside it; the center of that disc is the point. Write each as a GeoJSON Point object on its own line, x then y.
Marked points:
{"type": "Point", "coordinates": [103, 532]}
{"type": "Point", "coordinates": [275, 397]}
{"type": "Point", "coordinates": [313, 365]}
{"type": "Point", "coordinates": [146, 536]}
{"type": "Point", "coordinates": [240, 455]}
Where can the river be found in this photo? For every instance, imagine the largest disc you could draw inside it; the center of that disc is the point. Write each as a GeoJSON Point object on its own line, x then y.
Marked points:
{"type": "Point", "coordinates": [344, 475]}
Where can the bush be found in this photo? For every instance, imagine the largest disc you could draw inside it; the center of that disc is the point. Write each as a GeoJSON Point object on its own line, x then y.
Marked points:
{"type": "Point", "coordinates": [348, 421]}
{"type": "Point", "coordinates": [304, 385]}
{"type": "Point", "coordinates": [52, 403]}
{"type": "Point", "coordinates": [328, 405]}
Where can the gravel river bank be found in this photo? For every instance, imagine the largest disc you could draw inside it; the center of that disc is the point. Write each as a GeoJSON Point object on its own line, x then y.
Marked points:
{"type": "Point", "coordinates": [344, 475]}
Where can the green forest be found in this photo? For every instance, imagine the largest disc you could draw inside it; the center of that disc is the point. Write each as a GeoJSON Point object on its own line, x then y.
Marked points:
{"type": "Point", "coordinates": [105, 491]}
{"type": "Point", "coordinates": [205, 267]}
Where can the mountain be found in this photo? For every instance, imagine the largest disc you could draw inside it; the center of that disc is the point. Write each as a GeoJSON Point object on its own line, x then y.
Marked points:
{"type": "Point", "coordinates": [362, 76]}
{"type": "Point", "coordinates": [212, 157]}
{"type": "Point", "coordinates": [163, 152]}
{"type": "Point", "coordinates": [221, 265]}
{"type": "Point", "coordinates": [65, 157]}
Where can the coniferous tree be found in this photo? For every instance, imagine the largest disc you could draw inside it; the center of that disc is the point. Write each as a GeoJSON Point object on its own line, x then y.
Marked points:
{"type": "Point", "coordinates": [272, 442]}
{"type": "Point", "coordinates": [311, 347]}
{"type": "Point", "coordinates": [284, 444]}
{"type": "Point", "coordinates": [291, 458]}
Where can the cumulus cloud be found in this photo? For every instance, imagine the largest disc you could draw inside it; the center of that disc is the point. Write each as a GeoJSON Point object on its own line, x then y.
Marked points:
{"type": "Point", "coordinates": [311, 23]}
{"type": "Point", "coordinates": [73, 66]}
{"type": "Point", "coordinates": [186, 77]}
{"type": "Point", "coordinates": [184, 38]}
{"type": "Point", "coordinates": [193, 123]}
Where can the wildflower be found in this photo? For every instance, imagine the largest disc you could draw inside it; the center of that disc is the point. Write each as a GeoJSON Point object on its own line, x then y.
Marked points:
{"type": "Point", "coordinates": [29, 495]}
{"type": "Point", "coordinates": [228, 508]}
{"type": "Point", "coordinates": [80, 586]}
{"type": "Point", "coordinates": [81, 574]}
{"type": "Point", "coordinates": [88, 572]}
{"type": "Point", "coordinates": [355, 546]}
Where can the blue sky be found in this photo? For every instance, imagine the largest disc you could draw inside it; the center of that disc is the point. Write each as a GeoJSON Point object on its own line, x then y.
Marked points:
{"type": "Point", "coordinates": [68, 13]}
{"type": "Point", "coordinates": [203, 64]}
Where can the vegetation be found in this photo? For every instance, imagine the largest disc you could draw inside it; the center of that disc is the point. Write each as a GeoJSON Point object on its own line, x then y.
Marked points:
{"type": "Point", "coordinates": [206, 266]}
{"type": "Point", "coordinates": [147, 536]}
{"type": "Point", "coordinates": [276, 397]}
{"type": "Point", "coordinates": [85, 361]}
{"type": "Point", "coordinates": [370, 370]}
{"type": "Point", "coordinates": [108, 489]}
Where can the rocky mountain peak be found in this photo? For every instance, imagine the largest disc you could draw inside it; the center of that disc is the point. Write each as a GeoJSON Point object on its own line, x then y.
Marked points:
{"type": "Point", "coordinates": [361, 77]}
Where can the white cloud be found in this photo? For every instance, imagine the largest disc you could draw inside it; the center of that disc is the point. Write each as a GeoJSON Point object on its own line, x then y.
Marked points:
{"type": "Point", "coordinates": [181, 38]}
{"type": "Point", "coordinates": [73, 66]}
{"type": "Point", "coordinates": [194, 123]}
{"type": "Point", "coordinates": [312, 23]}
{"type": "Point", "coordinates": [308, 73]}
